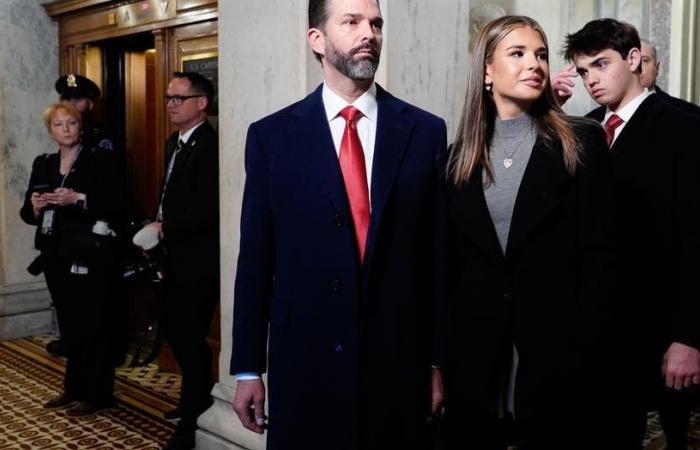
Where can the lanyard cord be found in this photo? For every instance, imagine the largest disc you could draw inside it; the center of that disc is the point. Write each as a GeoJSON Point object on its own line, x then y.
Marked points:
{"type": "Point", "coordinates": [75, 157]}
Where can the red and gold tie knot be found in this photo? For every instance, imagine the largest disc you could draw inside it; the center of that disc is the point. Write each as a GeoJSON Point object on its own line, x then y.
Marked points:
{"type": "Point", "coordinates": [613, 122]}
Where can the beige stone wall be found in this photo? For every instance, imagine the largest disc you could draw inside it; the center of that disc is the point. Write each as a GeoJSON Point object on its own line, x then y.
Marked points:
{"type": "Point", "coordinates": [29, 62]}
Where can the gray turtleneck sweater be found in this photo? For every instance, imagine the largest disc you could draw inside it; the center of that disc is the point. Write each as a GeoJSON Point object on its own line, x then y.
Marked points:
{"type": "Point", "coordinates": [513, 139]}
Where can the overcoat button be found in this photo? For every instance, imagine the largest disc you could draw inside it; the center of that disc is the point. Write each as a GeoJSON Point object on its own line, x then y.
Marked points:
{"type": "Point", "coordinates": [335, 285]}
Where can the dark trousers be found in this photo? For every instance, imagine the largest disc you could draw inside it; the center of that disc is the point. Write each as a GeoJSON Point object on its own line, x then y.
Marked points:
{"type": "Point", "coordinates": [187, 313]}
{"type": "Point", "coordinates": [674, 412]}
{"type": "Point", "coordinates": [85, 306]}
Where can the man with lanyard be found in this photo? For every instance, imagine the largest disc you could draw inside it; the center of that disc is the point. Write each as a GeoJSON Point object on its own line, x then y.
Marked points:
{"type": "Point", "coordinates": [188, 226]}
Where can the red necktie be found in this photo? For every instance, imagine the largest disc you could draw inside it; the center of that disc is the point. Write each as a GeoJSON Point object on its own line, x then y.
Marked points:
{"type": "Point", "coordinates": [352, 164]}
{"type": "Point", "coordinates": [613, 122]}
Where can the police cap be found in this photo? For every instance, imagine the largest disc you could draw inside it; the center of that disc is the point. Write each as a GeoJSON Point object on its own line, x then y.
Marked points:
{"type": "Point", "coordinates": [76, 86]}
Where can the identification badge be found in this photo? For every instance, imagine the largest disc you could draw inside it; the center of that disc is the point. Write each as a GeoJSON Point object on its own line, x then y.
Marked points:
{"type": "Point", "coordinates": [78, 269]}
{"type": "Point", "coordinates": [47, 222]}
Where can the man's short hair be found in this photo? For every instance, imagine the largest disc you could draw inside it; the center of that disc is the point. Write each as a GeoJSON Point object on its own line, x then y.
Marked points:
{"type": "Point", "coordinates": [318, 15]}
{"type": "Point", "coordinates": [652, 46]}
{"type": "Point", "coordinates": [602, 34]}
{"type": "Point", "coordinates": [200, 85]}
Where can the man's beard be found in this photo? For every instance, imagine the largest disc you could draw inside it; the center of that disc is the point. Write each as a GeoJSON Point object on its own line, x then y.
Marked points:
{"type": "Point", "coordinates": [364, 69]}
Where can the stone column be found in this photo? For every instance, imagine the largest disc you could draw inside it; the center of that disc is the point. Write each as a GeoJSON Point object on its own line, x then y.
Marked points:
{"type": "Point", "coordinates": [29, 61]}
{"type": "Point", "coordinates": [426, 53]}
{"type": "Point", "coordinates": [263, 66]}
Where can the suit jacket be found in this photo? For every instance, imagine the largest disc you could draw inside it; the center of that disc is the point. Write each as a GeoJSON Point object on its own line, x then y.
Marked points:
{"type": "Point", "coordinates": [349, 344]}
{"type": "Point", "coordinates": [191, 208]}
{"type": "Point", "coordinates": [545, 293]}
{"type": "Point", "coordinates": [655, 171]}
{"type": "Point", "coordinates": [95, 174]}
{"type": "Point", "coordinates": [685, 106]}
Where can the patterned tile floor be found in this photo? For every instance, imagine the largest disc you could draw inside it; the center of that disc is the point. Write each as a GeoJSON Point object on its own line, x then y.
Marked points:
{"type": "Point", "coordinates": [655, 435]}
{"type": "Point", "coordinates": [29, 377]}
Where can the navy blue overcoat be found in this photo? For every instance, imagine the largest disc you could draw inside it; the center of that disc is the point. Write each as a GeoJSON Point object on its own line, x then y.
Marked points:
{"type": "Point", "coordinates": [350, 345]}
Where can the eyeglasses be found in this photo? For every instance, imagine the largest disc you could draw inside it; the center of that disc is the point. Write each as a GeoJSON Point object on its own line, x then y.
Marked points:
{"type": "Point", "coordinates": [179, 99]}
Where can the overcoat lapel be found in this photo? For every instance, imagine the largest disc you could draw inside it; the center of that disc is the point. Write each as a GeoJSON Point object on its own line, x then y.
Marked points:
{"type": "Point", "coordinates": [394, 131]}
{"type": "Point", "coordinates": [311, 137]}
{"type": "Point", "coordinates": [180, 161]}
{"type": "Point", "coordinates": [468, 209]}
{"type": "Point", "coordinates": [538, 195]}
{"type": "Point", "coordinates": [184, 156]}
{"type": "Point", "coordinates": [637, 126]}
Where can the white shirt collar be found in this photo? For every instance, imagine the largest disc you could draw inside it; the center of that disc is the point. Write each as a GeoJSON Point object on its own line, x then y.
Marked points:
{"type": "Point", "coordinates": [366, 103]}
{"type": "Point", "coordinates": [627, 111]}
{"type": "Point", "coordinates": [184, 137]}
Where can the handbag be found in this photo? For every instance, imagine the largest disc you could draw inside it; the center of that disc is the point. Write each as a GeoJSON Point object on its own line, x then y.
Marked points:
{"type": "Point", "coordinates": [79, 243]}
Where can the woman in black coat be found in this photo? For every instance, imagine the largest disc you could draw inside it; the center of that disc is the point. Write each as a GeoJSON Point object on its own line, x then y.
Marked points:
{"type": "Point", "coordinates": [75, 199]}
{"type": "Point", "coordinates": [526, 201]}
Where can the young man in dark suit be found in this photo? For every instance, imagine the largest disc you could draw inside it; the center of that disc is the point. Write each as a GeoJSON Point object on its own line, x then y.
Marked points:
{"type": "Point", "coordinates": [654, 346]}
{"type": "Point", "coordinates": [674, 406]}
{"type": "Point", "coordinates": [188, 225]}
{"type": "Point", "coordinates": [338, 255]}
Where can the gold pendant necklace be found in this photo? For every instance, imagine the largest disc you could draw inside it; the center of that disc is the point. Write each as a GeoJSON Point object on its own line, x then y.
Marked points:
{"type": "Point", "coordinates": [508, 160]}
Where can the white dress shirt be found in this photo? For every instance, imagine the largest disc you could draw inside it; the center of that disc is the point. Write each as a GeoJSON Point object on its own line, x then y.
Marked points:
{"type": "Point", "coordinates": [184, 137]}
{"type": "Point", "coordinates": [626, 112]}
{"type": "Point", "coordinates": [366, 124]}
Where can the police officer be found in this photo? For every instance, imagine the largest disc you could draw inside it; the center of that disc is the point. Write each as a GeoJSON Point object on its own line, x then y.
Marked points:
{"type": "Point", "coordinates": [83, 92]}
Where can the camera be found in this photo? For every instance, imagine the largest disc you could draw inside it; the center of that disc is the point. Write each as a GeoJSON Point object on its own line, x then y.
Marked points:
{"type": "Point", "coordinates": [147, 268]}
{"type": "Point", "coordinates": [143, 264]}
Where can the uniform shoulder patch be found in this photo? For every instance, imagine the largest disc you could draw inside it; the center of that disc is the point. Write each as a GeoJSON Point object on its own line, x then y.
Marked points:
{"type": "Point", "coordinates": [106, 144]}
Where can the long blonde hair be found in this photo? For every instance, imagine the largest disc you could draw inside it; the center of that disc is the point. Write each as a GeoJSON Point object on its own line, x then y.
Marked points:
{"type": "Point", "coordinates": [470, 148]}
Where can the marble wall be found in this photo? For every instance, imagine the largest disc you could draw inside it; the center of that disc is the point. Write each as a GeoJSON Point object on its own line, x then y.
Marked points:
{"type": "Point", "coordinates": [29, 61]}
{"type": "Point", "coordinates": [427, 55]}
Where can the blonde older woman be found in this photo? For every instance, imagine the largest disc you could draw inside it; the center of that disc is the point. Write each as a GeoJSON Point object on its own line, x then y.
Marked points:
{"type": "Point", "coordinates": [75, 199]}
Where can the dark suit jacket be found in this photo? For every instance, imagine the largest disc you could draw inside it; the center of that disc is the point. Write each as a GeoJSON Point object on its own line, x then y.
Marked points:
{"type": "Point", "coordinates": [349, 345]}
{"type": "Point", "coordinates": [95, 174]}
{"type": "Point", "coordinates": [685, 106]}
{"type": "Point", "coordinates": [546, 294]}
{"type": "Point", "coordinates": [655, 171]}
{"type": "Point", "coordinates": [191, 208]}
